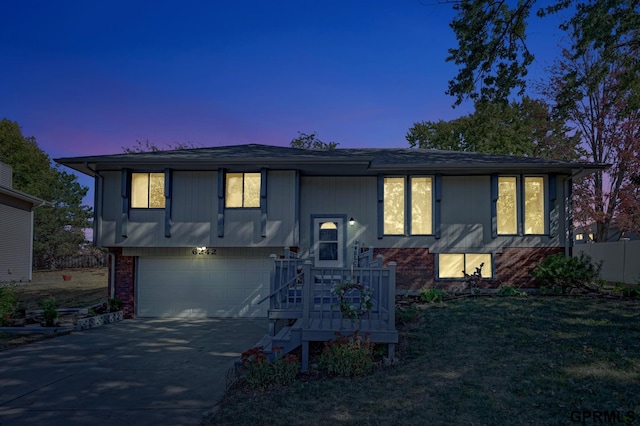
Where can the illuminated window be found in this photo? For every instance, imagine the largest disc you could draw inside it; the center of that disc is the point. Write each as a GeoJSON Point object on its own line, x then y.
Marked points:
{"type": "Point", "coordinates": [421, 205]}
{"type": "Point", "coordinates": [506, 206]}
{"type": "Point", "coordinates": [147, 190]}
{"type": "Point", "coordinates": [454, 265]}
{"type": "Point", "coordinates": [534, 205]}
{"type": "Point", "coordinates": [394, 206]}
{"type": "Point", "coordinates": [533, 197]}
{"type": "Point", "coordinates": [579, 237]}
{"type": "Point", "coordinates": [395, 216]}
{"type": "Point", "coordinates": [242, 190]}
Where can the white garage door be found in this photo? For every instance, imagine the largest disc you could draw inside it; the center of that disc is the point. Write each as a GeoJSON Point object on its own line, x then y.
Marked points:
{"type": "Point", "coordinates": [203, 287]}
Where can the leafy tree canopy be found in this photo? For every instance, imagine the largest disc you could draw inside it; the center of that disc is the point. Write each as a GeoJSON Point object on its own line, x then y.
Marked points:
{"type": "Point", "coordinates": [311, 141]}
{"type": "Point", "coordinates": [492, 51]}
{"type": "Point", "coordinates": [58, 227]}
{"type": "Point", "coordinates": [147, 146]}
{"type": "Point", "coordinates": [520, 128]}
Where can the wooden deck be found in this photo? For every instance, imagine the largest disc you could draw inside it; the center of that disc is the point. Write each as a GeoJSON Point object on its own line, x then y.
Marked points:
{"type": "Point", "coordinates": [303, 306]}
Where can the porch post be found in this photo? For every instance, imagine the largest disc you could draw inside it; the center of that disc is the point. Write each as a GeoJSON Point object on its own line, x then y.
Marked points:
{"type": "Point", "coordinates": [272, 287]}
{"type": "Point", "coordinates": [392, 296]}
{"type": "Point", "coordinates": [307, 293]}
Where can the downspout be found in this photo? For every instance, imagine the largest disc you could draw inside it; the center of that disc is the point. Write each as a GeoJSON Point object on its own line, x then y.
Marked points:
{"type": "Point", "coordinates": [568, 243]}
{"type": "Point", "coordinates": [112, 256]}
{"type": "Point", "coordinates": [112, 275]}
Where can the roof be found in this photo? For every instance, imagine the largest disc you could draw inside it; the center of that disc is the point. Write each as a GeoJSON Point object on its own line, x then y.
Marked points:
{"type": "Point", "coordinates": [340, 161]}
{"type": "Point", "coordinates": [36, 202]}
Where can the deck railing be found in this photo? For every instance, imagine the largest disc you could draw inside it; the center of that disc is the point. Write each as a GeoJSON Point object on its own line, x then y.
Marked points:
{"type": "Point", "coordinates": [300, 290]}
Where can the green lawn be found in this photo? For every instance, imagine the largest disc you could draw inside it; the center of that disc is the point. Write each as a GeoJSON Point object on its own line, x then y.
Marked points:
{"type": "Point", "coordinates": [480, 361]}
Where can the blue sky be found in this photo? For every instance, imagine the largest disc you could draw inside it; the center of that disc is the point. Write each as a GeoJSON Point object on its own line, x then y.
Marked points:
{"type": "Point", "coordinates": [89, 77]}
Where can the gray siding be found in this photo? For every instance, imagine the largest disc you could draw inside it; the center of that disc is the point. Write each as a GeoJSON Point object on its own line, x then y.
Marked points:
{"type": "Point", "coordinates": [351, 196]}
{"type": "Point", "coordinates": [15, 243]}
{"type": "Point", "coordinates": [465, 215]}
{"type": "Point", "coordinates": [194, 215]}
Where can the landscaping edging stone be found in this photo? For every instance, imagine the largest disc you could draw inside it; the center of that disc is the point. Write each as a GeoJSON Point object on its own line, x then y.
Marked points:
{"type": "Point", "coordinates": [98, 320]}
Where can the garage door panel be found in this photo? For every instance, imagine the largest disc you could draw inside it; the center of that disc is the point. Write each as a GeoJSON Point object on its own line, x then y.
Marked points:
{"type": "Point", "coordinates": [210, 287]}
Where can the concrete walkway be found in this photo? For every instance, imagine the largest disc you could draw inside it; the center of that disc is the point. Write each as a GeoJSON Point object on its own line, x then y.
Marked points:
{"type": "Point", "coordinates": [138, 372]}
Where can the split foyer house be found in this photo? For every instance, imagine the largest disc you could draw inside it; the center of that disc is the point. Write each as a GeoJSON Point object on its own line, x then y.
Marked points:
{"type": "Point", "coordinates": [16, 229]}
{"type": "Point", "coordinates": [192, 232]}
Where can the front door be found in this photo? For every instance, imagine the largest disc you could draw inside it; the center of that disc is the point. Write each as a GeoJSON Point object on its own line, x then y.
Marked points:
{"type": "Point", "coordinates": [329, 241]}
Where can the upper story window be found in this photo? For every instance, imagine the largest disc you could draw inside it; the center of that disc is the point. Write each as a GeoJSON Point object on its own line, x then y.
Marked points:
{"type": "Point", "coordinates": [533, 209]}
{"type": "Point", "coordinates": [147, 190]}
{"type": "Point", "coordinates": [420, 211]}
{"type": "Point", "coordinates": [507, 208]}
{"type": "Point", "coordinates": [242, 190]}
{"type": "Point", "coordinates": [534, 216]}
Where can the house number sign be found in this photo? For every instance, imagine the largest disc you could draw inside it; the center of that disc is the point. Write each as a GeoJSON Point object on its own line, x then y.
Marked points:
{"type": "Point", "coordinates": [204, 251]}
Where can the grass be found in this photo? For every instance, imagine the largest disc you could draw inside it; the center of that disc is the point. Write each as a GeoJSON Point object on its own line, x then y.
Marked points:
{"type": "Point", "coordinates": [87, 287]}
{"type": "Point", "coordinates": [527, 361]}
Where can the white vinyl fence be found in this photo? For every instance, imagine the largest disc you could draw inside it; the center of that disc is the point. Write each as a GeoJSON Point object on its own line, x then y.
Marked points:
{"type": "Point", "coordinates": [620, 260]}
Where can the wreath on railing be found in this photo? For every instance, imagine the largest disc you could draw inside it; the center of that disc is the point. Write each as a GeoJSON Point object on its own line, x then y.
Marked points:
{"type": "Point", "coordinates": [346, 305]}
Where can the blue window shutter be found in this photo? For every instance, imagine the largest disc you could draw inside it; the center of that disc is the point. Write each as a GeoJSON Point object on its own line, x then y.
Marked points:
{"type": "Point", "coordinates": [221, 178]}
{"type": "Point", "coordinates": [494, 205]}
{"type": "Point", "coordinates": [125, 192]}
{"type": "Point", "coordinates": [263, 202]}
{"type": "Point", "coordinates": [168, 175]}
{"type": "Point", "coordinates": [437, 205]}
{"type": "Point", "coordinates": [380, 206]}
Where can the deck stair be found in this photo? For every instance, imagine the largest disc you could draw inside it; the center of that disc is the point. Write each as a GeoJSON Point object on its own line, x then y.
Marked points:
{"type": "Point", "coordinates": [304, 308]}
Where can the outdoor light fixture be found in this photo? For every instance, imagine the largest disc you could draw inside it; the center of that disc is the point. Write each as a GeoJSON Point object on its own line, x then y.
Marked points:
{"type": "Point", "coordinates": [352, 221]}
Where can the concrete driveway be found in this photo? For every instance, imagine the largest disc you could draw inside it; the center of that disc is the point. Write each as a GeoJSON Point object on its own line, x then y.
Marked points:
{"type": "Point", "coordinates": [139, 372]}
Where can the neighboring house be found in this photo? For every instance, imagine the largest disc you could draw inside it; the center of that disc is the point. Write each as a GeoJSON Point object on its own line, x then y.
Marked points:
{"type": "Point", "coordinates": [585, 234]}
{"type": "Point", "coordinates": [192, 231]}
{"type": "Point", "coordinates": [16, 229]}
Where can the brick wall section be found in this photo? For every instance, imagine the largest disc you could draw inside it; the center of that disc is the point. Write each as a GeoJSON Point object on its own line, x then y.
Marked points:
{"type": "Point", "coordinates": [416, 268]}
{"type": "Point", "coordinates": [125, 281]}
{"type": "Point", "coordinates": [514, 264]}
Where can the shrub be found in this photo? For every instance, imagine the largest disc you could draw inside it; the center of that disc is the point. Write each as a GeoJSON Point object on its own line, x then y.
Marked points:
{"type": "Point", "coordinates": [631, 291]}
{"type": "Point", "coordinates": [430, 295]}
{"type": "Point", "coordinates": [7, 302]}
{"type": "Point", "coordinates": [509, 290]}
{"type": "Point", "coordinates": [49, 311]}
{"type": "Point", "coordinates": [347, 356]}
{"type": "Point", "coordinates": [567, 273]}
{"type": "Point", "coordinates": [262, 374]}
{"type": "Point", "coordinates": [115, 304]}
{"type": "Point", "coordinates": [554, 291]}
{"type": "Point", "coordinates": [406, 315]}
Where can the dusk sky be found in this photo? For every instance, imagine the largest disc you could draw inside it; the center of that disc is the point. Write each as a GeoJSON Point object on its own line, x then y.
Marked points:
{"type": "Point", "coordinates": [89, 77]}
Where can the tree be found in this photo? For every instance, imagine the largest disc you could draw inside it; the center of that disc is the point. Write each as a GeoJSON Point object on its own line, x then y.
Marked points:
{"type": "Point", "coordinates": [147, 146]}
{"type": "Point", "coordinates": [492, 52]}
{"type": "Point", "coordinates": [523, 128]}
{"type": "Point", "coordinates": [58, 227]}
{"type": "Point", "coordinates": [305, 141]}
{"type": "Point", "coordinates": [610, 129]}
